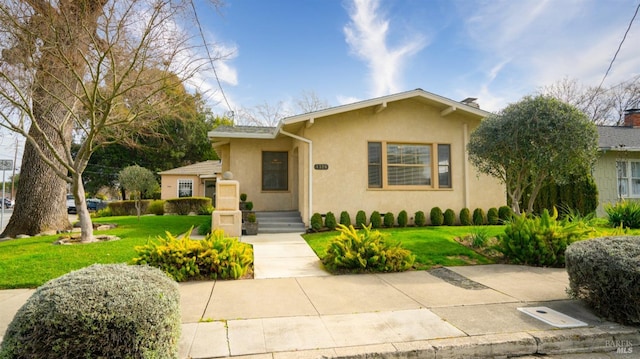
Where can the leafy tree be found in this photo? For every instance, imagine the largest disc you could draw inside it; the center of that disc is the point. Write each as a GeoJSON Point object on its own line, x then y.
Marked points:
{"type": "Point", "coordinates": [174, 142]}
{"type": "Point", "coordinates": [94, 71]}
{"type": "Point", "coordinates": [137, 181]}
{"type": "Point", "coordinates": [533, 140]}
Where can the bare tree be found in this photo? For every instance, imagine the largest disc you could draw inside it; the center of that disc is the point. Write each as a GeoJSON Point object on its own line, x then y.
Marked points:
{"type": "Point", "coordinates": [90, 71]}
{"type": "Point", "coordinates": [269, 115]}
{"type": "Point", "coordinates": [604, 106]}
{"type": "Point", "coordinates": [310, 102]}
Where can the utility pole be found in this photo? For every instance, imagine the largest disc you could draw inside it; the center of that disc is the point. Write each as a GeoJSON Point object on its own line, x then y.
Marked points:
{"type": "Point", "coordinates": [13, 176]}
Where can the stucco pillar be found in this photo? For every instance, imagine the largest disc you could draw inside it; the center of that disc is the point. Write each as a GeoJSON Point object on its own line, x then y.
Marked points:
{"type": "Point", "coordinates": [227, 215]}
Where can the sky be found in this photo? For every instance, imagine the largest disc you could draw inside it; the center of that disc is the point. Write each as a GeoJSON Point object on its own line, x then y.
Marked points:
{"type": "Point", "coordinates": [349, 50]}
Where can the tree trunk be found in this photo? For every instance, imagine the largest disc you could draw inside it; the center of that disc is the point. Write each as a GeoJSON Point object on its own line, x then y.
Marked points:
{"type": "Point", "coordinates": [40, 198]}
{"type": "Point", "coordinates": [86, 226]}
{"type": "Point", "coordinates": [64, 35]}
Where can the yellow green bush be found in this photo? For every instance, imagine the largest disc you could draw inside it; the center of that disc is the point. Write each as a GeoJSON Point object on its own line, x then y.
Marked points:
{"type": "Point", "coordinates": [365, 251]}
{"type": "Point", "coordinates": [214, 257]}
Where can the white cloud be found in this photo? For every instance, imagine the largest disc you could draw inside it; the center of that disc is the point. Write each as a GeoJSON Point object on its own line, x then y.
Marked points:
{"type": "Point", "coordinates": [345, 100]}
{"type": "Point", "coordinates": [367, 36]}
{"type": "Point", "coordinates": [545, 41]}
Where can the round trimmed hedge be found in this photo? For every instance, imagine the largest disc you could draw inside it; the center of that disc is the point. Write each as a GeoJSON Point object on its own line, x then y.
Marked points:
{"type": "Point", "coordinates": [101, 311]}
{"type": "Point", "coordinates": [605, 273]}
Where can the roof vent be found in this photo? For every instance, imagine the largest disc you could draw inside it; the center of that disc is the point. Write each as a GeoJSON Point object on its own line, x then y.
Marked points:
{"type": "Point", "coordinates": [470, 101]}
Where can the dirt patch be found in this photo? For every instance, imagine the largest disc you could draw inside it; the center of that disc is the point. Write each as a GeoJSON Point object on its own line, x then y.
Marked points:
{"type": "Point", "coordinates": [456, 279]}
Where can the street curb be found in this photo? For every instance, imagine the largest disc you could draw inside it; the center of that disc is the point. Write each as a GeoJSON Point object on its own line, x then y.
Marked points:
{"type": "Point", "coordinates": [548, 342]}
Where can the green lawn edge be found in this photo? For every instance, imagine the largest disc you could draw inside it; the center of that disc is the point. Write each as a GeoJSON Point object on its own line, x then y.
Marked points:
{"type": "Point", "coordinates": [31, 262]}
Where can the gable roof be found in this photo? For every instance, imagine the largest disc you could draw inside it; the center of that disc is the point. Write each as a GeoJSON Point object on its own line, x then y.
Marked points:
{"type": "Point", "coordinates": [618, 138]}
{"type": "Point", "coordinates": [445, 105]}
{"type": "Point", "coordinates": [206, 168]}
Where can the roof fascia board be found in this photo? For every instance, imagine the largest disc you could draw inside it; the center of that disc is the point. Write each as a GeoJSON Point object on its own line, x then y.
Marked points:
{"type": "Point", "coordinates": [380, 103]}
{"type": "Point", "coordinates": [267, 136]}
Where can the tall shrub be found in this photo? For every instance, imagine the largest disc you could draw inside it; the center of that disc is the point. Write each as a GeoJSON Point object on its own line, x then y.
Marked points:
{"type": "Point", "coordinates": [420, 219]}
{"type": "Point", "coordinates": [505, 213]}
{"type": "Point", "coordinates": [403, 219]}
{"type": "Point", "coordinates": [330, 221]}
{"type": "Point", "coordinates": [478, 217]}
{"type": "Point", "coordinates": [345, 219]}
{"type": "Point", "coordinates": [389, 220]}
{"type": "Point", "coordinates": [361, 219]}
{"type": "Point", "coordinates": [316, 222]}
{"type": "Point", "coordinates": [492, 216]}
{"type": "Point", "coordinates": [465, 217]}
{"type": "Point", "coordinates": [376, 219]}
{"type": "Point", "coordinates": [436, 216]}
{"type": "Point", "coordinates": [449, 217]}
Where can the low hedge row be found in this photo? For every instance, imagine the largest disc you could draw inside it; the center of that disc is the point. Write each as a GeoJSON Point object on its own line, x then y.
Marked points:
{"type": "Point", "coordinates": [436, 217]}
{"type": "Point", "coordinates": [180, 206]}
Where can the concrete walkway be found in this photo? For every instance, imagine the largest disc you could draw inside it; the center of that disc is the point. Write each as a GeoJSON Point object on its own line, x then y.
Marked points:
{"type": "Point", "coordinates": [285, 255]}
{"type": "Point", "coordinates": [471, 313]}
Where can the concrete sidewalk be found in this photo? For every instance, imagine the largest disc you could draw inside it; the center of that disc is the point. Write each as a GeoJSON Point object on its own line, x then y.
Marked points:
{"type": "Point", "coordinates": [470, 313]}
{"type": "Point", "coordinates": [411, 314]}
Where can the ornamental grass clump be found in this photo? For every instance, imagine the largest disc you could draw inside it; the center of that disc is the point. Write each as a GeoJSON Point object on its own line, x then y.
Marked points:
{"type": "Point", "coordinates": [624, 214]}
{"type": "Point", "coordinates": [365, 251]}
{"type": "Point", "coordinates": [101, 311]}
{"type": "Point", "coordinates": [214, 257]}
{"type": "Point", "coordinates": [605, 273]}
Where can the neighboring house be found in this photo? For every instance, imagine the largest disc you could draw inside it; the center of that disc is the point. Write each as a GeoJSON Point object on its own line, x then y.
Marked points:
{"type": "Point", "coordinates": [617, 170]}
{"type": "Point", "coordinates": [406, 151]}
{"type": "Point", "coordinates": [196, 180]}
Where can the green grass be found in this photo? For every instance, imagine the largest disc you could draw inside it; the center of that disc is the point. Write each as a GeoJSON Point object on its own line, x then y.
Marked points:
{"type": "Point", "coordinates": [31, 262]}
{"type": "Point", "coordinates": [432, 246]}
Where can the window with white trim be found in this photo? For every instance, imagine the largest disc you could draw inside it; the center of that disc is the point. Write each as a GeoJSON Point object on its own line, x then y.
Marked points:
{"type": "Point", "coordinates": [185, 188]}
{"type": "Point", "coordinates": [408, 165]}
{"type": "Point", "coordinates": [628, 179]}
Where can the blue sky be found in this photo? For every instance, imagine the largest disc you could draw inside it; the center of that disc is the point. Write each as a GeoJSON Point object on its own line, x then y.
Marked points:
{"type": "Point", "coordinates": [349, 50]}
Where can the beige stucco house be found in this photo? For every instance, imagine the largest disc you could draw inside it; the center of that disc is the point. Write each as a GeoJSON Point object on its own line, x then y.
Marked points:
{"type": "Point", "coordinates": [617, 170]}
{"type": "Point", "coordinates": [406, 151]}
{"type": "Point", "coordinates": [196, 180]}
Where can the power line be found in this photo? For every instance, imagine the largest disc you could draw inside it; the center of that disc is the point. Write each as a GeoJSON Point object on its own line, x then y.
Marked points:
{"type": "Point", "coordinates": [619, 47]}
{"type": "Point", "coordinates": [195, 13]}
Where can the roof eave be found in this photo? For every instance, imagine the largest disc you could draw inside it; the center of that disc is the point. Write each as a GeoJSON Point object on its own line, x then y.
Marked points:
{"type": "Point", "coordinates": [382, 101]}
{"type": "Point", "coordinates": [266, 136]}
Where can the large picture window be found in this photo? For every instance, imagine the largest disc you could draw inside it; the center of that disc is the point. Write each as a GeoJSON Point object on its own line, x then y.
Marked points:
{"type": "Point", "coordinates": [185, 188]}
{"type": "Point", "coordinates": [628, 178]}
{"type": "Point", "coordinates": [392, 165]}
{"type": "Point", "coordinates": [275, 171]}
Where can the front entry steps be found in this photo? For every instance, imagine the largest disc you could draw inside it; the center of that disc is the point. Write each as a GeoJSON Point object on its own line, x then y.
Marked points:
{"type": "Point", "coordinates": [280, 222]}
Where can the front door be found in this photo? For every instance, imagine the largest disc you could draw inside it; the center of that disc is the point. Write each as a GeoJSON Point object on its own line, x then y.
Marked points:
{"type": "Point", "coordinates": [210, 190]}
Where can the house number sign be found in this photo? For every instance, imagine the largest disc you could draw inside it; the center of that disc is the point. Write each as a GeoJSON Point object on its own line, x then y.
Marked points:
{"type": "Point", "coordinates": [321, 166]}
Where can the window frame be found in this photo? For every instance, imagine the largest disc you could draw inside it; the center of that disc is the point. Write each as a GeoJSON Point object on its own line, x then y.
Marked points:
{"type": "Point", "coordinates": [185, 181]}
{"type": "Point", "coordinates": [434, 167]}
{"type": "Point", "coordinates": [284, 188]}
{"type": "Point", "coordinates": [628, 178]}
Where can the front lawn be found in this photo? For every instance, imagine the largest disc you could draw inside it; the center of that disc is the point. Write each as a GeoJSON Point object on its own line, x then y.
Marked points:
{"type": "Point", "coordinates": [432, 246]}
{"type": "Point", "coordinates": [31, 262]}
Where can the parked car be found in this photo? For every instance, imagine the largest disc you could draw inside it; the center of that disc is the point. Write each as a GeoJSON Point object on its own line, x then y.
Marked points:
{"type": "Point", "coordinates": [71, 204]}
{"type": "Point", "coordinates": [95, 204]}
{"type": "Point", "coordinates": [7, 202]}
